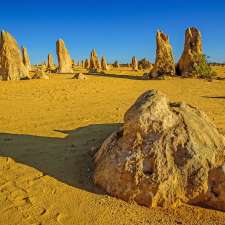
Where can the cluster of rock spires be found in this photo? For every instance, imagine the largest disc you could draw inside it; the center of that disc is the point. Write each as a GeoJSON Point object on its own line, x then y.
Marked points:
{"type": "Point", "coordinates": [192, 53]}
{"type": "Point", "coordinates": [166, 153]}
{"type": "Point", "coordinates": [15, 66]}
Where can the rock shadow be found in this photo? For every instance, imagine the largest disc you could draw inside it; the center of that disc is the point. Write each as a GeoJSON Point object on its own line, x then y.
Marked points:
{"type": "Point", "coordinates": [121, 76]}
{"type": "Point", "coordinates": [69, 159]}
{"type": "Point", "coordinates": [219, 97]}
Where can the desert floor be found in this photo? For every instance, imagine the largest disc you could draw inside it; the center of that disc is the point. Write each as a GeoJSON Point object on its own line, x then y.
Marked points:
{"type": "Point", "coordinates": [48, 130]}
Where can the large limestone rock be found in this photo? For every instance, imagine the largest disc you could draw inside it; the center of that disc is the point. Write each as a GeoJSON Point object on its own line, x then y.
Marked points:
{"type": "Point", "coordinates": [165, 153]}
{"type": "Point", "coordinates": [95, 65]}
{"type": "Point", "coordinates": [134, 63]}
{"type": "Point", "coordinates": [64, 60]}
{"type": "Point", "coordinates": [11, 63]}
{"type": "Point", "coordinates": [50, 64]}
{"type": "Point", "coordinates": [104, 64]}
{"type": "Point", "coordinates": [192, 52]}
{"type": "Point", "coordinates": [87, 64]}
{"type": "Point", "coordinates": [164, 63]}
{"type": "Point", "coordinates": [26, 59]}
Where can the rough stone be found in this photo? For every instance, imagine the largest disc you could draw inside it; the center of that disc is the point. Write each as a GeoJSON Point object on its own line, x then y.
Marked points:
{"type": "Point", "coordinates": [104, 65]}
{"type": "Point", "coordinates": [50, 64]}
{"type": "Point", "coordinates": [134, 63]}
{"type": "Point", "coordinates": [165, 153]}
{"type": "Point", "coordinates": [11, 63]}
{"type": "Point", "coordinates": [64, 60]}
{"type": "Point", "coordinates": [79, 76]}
{"type": "Point", "coordinates": [164, 63]}
{"type": "Point", "coordinates": [95, 65]}
{"type": "Point", "coordinates": [26, 59]}
{"type": "Point", "coordinates": [40, 74]}
{"type": "Point", "coordinates": [87, 64]}
{"type": "Point", "coordinates": [192, 52]}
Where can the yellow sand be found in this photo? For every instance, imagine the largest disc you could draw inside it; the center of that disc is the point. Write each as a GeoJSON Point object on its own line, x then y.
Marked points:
{"type": "Point", "coordinates": [50, 128]}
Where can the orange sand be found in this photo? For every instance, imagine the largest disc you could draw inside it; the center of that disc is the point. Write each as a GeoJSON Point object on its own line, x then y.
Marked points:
{"type": "Point", "coordinates": [49, 127]}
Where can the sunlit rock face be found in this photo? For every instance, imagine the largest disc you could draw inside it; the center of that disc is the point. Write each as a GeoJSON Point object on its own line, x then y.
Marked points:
{"type": "Point", "coordinates": [64, 60]}
{"type": "Point", "coordinates": [165, 153]}
{"type": "Point", "coordinates": [11, 63]}
{"type": "Point", "coordinates": [192, 52]}
{"type": "Point", "coordinates": [164, 63]}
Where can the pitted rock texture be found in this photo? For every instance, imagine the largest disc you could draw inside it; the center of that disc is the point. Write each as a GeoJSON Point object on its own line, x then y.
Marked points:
{"type": "Point", "coordinates": [165, 153]}
{"type": "Point", "coordinates": [11, 62]}
{"type": "Point", "coordinates": [192, 52]}
{"type": "Point", "coordinates": [64, 60]}
{"type": "Point", "coordinates": [164, 63]}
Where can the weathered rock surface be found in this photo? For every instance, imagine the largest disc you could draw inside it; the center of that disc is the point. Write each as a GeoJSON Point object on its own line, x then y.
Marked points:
{"type": "Point", "coordinates": [192, 52]}
{"type": "Point", "coordinates": [164, 63]}
{"type": "Point", "coordinates": [165, 153]}
{"type": "Point", "coordinates": [87, 64]}
{"type": "Point", "coordinates": [95, 65]}
{"type": "Point", "coordinates": [50, 64]}
{"type": "Point", "coordinates": [134, 63]}
{"type": "Point", "coordinates": [26, 59]}
{"type": "Point", "coordinates": [40, 74]}
{"type": "Point", "coordinates": [79, 76]}
{"type": "Point", "coordinates": [215, 196]}
{"type": "Point", "coordinates": [64, 60]}
{"type": "Point", "coordinates": [11, 63]}
{"type": "Point", "coordinates": [104, 65]}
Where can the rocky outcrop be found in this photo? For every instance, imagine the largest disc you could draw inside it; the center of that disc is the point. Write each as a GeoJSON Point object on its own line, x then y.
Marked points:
{"type": "Point", "coordinates": [165, 153]}
{"type": "Point", "coordinates": [86, 64]}
{"type": "Point", "coordinates": [134, 63]}
{"type": "Point", "coordinates": [40, 74]}
{"type": "Point", "coordinates": [164, 63]}
{"type": "Point", "coordinates": [79, 76]}
{"type": "Point", "coordinates": [64, 60]}
{"type": "Point", "coordinates": [192, 52]}
{"type": "Point", "coordinates": [11, 63]}
{"type": "Point", "coordinates": [104, 65]}
{"type": "Point", "coordinates": [50, 64]}
{"type": "Point", "coordinates": [95, 65]}
{"type": "Point", "coordinates": [26, 59]}
{"type": "Point", "coordinates": [82, 63]}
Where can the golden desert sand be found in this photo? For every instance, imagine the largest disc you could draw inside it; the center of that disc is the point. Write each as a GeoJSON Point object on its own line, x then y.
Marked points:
{"type": "Point", "coordinates": [50, 129]}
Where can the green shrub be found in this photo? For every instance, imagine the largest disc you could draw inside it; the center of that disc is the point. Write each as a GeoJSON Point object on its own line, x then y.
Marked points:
{"type": "Point", "coordinates": [202, 69]}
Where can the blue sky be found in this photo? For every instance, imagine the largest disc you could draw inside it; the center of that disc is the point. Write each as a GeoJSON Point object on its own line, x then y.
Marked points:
{"type": "Point", "coordinates": [117, 29]}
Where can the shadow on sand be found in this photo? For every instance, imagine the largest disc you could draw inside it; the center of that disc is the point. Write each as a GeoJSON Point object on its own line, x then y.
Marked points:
{"type": "Point", "coordinates": [219, 97]}
{"type": "Point", "coordinates": [121, 76]}
{"type": "Point", "coordinates": [67, 159]}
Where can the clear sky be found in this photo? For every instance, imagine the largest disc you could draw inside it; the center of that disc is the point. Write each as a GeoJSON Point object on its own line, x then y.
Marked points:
{"type": "Point", "coordinates": [117, 29]}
